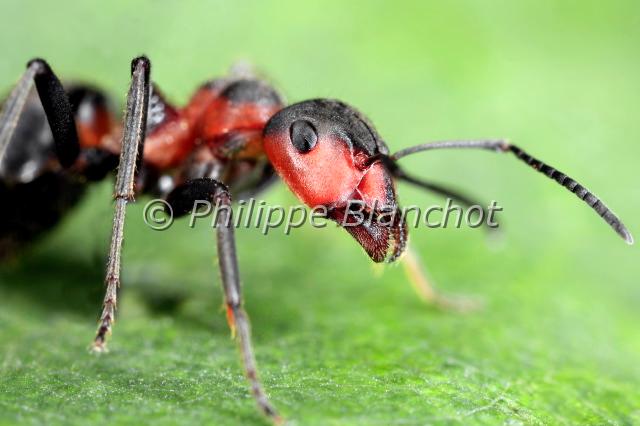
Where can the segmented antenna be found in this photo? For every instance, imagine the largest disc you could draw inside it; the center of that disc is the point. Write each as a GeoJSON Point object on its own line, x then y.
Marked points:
{"type": "Point", "coordinates": [436, 188]}
{"type": "Point", "coordinates": [503, 146]}
{"type": "Point", "coordinates": [445, 191]}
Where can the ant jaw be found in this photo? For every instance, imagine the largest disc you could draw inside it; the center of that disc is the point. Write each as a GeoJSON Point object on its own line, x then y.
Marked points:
{"type": "Point", "coordinates": [382, 233]}
{"type": "Point", "coordinates": [371, 215]}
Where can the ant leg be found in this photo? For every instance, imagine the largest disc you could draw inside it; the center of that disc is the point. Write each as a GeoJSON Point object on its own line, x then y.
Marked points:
{"type": "Point", "coordinates": [56, 106]}
{"type": "Point", "coordinates": [423, 287]}
{"type": "Point", "coordinates": [13, 107]}
{"type": "Point", "coordinates": [135, 121]}
{"type": "Point", "coordinates": [182, 200]}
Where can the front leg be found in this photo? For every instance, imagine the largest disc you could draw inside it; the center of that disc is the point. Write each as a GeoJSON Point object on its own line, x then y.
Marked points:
{"type": "Point", "coordinates": [135, 122]}
{"type": "Point", "coordinates": [419, 279]}
{"type": "Point", "coordinates": [182, 200]}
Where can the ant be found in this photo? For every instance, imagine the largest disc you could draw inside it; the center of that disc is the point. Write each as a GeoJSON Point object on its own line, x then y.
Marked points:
{"type": "Point", "coordinates": [235, 135]}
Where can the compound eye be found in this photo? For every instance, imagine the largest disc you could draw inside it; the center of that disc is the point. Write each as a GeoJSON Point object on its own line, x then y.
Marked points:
{"type": "Point", "coordinates": [303, 136]}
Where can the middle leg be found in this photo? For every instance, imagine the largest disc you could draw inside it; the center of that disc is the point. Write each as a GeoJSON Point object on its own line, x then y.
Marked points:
{"type": "Point", "coordinates": [182, 200]}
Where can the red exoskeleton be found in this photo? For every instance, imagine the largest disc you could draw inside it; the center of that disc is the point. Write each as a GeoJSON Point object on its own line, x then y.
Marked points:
{"type": "Point", "coordinates": [234, 136]}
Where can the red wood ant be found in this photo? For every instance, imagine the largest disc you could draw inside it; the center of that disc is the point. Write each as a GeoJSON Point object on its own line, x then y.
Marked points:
{"type": "Point", "coordinates": [234, 136]}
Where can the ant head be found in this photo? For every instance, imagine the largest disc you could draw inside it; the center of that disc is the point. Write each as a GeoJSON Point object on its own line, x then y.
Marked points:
{"type": "Point", "coordinates": [326, 151]}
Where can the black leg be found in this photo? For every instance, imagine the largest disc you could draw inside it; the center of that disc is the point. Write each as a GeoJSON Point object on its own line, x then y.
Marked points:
{"type": "Point", "coordinates": [135, 122]}
{"type": "Point", "coordinates": [182, 201]}
{"type": "Point", "coordinates": [56, 107]}
{"type": "Point", "coordinates": [13, 107]}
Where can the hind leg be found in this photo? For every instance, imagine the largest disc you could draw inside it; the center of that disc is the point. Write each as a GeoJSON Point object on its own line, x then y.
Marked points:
{"type": "Point", "coordinates": [37, 136]}
{"type": "Point", "coordinates": [56, 105]}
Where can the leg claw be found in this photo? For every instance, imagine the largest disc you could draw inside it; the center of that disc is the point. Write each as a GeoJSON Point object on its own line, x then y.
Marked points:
{"type": "Point", "coordinates": [98, 348]}
{"type": "Point", "coordinates": [459, 304]}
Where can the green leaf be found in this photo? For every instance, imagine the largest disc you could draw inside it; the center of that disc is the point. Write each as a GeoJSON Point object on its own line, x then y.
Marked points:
{"type": "Point", "coordinates": [337, 342]}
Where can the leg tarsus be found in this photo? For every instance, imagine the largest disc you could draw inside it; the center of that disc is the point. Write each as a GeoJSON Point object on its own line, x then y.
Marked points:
{"type": "Point", "coordinates": [241, 322]}
{"type": "Point", "coordinates": [107, 318]}
{"type": "Point", "coordinates": [428, 293]}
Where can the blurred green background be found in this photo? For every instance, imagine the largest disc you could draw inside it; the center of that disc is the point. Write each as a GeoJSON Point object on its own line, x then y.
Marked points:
{"type": "Point", "coordinates": [338, 342]}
